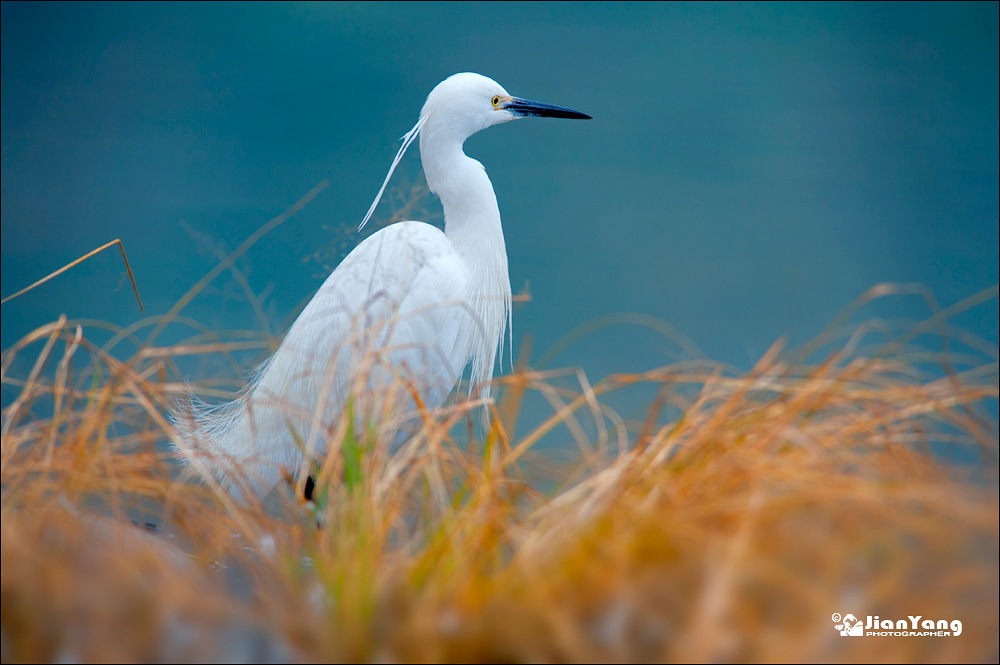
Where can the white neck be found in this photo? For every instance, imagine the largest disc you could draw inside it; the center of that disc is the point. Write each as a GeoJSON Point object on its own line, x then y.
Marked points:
{"type": "Point", "coordinates": [472, 224]}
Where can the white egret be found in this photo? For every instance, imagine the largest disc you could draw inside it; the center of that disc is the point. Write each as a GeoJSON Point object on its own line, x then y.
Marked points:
{"type": "Point", "coordinates": [397, 321]}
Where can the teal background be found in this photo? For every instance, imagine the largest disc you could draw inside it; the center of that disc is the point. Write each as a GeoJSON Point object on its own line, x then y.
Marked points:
{"type": "Point", "coordinates": [750, 169]}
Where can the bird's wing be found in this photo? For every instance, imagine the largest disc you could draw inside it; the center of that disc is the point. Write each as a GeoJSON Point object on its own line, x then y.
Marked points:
{"type": "Point", "coordinates": [400, 292]}
{"type": "Point", "coordinates": [382, 329]}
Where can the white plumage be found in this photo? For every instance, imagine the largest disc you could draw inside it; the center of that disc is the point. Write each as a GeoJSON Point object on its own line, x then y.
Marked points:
{"type": "Point", "coordinates": [402, 315]}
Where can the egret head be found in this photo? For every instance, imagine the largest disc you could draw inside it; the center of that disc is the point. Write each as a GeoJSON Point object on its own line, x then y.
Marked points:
{"type": "Point", "coordinates": [462, 105]}
{"type": "Point", "coordinates": [466, 103]}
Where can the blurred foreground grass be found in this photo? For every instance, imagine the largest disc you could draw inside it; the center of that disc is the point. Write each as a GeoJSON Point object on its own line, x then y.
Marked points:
{"type": "Point", "coordinates": [732, 531]}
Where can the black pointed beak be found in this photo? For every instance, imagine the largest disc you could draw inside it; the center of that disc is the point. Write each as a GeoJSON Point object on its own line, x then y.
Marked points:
{"type": "Point", "coordinates": [526, 107]}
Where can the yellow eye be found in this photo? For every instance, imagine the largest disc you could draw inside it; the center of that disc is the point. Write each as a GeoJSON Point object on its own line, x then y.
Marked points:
{"type": "Point", "coordinates": [496, 100]}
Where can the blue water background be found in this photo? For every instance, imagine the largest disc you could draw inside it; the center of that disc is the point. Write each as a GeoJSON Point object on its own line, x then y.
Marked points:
{"type": "Point", "coordinates": [749, 171]}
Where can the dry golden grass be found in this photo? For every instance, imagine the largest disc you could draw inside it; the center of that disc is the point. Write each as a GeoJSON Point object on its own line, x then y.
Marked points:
{"type": "Point", "coordinates": [731, 532]}
{"type": "Point", "coordinates": [728, 522]}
